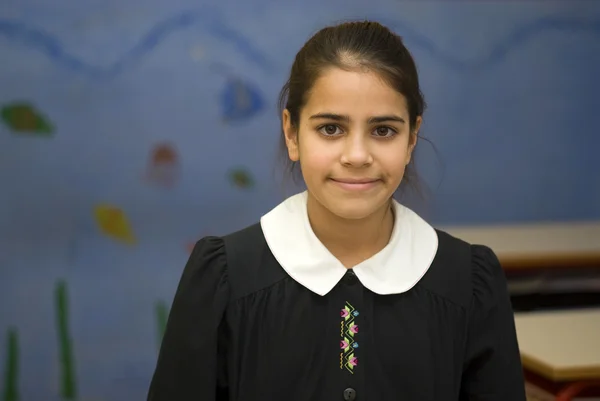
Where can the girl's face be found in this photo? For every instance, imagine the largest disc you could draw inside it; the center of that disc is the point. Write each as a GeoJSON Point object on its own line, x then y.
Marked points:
{"type": "Point", "coordinates": [353, 142]}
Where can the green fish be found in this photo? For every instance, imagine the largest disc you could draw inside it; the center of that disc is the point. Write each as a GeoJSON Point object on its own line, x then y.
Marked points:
{"type": "Point", "coordinates": [241, 178]}
{"type": "Point", "coordinates": [24, 118]}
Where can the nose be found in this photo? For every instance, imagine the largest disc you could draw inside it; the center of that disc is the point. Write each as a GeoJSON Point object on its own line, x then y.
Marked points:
{"type": "Point", "coordinates": [356, 151]}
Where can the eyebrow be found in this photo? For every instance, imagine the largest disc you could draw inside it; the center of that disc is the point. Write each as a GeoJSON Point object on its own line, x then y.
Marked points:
{"type": "Point", "coordinates": [372, 120]}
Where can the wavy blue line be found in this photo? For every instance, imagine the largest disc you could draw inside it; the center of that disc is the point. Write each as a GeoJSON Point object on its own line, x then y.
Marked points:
{"type": "Point", "coordinates": [53, 48]}
{"type": "Point", "coordinates": [499, 50]}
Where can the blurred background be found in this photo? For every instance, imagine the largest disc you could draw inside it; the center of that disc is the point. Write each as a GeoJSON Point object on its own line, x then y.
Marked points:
{"type": "Point", "coordinates": [131, 129]}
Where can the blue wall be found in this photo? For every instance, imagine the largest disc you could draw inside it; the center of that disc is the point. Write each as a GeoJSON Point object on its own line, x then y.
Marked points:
{"type": "Point", "coordinates": [89, 89]}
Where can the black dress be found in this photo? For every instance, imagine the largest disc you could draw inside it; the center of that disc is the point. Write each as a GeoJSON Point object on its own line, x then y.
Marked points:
{"type": "Point", "coordinates": [244, 326]}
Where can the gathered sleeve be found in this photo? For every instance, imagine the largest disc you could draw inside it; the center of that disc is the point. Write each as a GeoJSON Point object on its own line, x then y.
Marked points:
{"type": "Point", "coordinates": [492, 370]}
{"type": "Point", "coordinates": [189, 367]}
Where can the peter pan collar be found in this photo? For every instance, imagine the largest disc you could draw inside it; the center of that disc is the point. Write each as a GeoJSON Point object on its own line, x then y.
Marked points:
{"type": "Point", "coordinates": [394, 270]}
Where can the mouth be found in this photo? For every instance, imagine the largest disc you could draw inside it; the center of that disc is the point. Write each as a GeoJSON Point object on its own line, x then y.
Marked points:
{"type": "Point", "coordinates": [356, 184]}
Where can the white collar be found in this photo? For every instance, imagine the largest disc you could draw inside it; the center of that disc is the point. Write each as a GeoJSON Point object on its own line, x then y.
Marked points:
{"type": "Point", "coordinates": [395, 269]}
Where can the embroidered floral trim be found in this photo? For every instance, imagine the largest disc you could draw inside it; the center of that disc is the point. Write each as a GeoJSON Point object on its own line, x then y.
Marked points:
{"type": "Point", "coordinates": [348, 344]}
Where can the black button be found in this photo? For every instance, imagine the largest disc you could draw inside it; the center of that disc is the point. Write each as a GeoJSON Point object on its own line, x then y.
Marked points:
{"type": "Point", "coordinates": [349, 394]}
{"type": "Point", "coordinates": [350, 277]}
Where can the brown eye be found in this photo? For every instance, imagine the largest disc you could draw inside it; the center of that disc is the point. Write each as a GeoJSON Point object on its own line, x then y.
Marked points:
{"type": "Point", "coordinates": [384, 132]}
{"type": "Point", "coordinates": [329, 130]}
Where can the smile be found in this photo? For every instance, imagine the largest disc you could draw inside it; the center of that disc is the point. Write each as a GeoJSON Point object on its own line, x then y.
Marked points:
{"type": "Point", "coordinates": [355, 184]}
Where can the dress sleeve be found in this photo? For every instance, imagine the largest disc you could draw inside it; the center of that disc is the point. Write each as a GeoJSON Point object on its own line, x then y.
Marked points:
{"type": "Point", "coordinates": [189, 367]}
{"type": "Point", "coordinates": [493, 370]}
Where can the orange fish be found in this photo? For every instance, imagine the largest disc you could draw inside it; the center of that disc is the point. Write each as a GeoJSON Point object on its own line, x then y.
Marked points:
{"type": "Point", "coordinates": [163, 167]}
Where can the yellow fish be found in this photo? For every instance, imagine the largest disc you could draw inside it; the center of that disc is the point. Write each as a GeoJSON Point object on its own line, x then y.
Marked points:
{"type": "Point", "coordinates": [113, 222]}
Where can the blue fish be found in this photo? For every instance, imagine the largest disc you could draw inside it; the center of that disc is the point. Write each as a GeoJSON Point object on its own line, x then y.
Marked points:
{"type": "Point", "coordinates": [240, 100]}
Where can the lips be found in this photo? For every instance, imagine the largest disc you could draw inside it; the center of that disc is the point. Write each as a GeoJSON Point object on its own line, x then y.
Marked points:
{"type": "Point", "coordinates": [355, 180]}
{"type": "Point", "coordinates": [356, 184]}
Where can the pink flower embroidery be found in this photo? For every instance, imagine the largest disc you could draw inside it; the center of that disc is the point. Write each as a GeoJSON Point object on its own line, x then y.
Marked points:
{"type": "Point", "coordinates": [343, 344]}
{"type": "Point", "coordinates": [353, 361]}
{"type": "Point", "coordinates": [354, 329]}
{"type": "Point", "coordinates": [344, 313]}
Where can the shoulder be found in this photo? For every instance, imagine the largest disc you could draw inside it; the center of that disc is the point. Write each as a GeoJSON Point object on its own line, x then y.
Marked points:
{"type": "Point", "coordinates": [207, 259]}
{"type": "Point", "coordinates": [240, 260]}
{"type": "Point", "coordinates": [461, 271]}
{"type": "Point", "coordinates": [250, 264]}
{"type": "Point", "coordinates": [228, 252]}
{"type": "Point", "coordinates": [232, 264]}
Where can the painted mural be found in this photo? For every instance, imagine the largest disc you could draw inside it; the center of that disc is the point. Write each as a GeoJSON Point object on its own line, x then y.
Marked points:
{"type": "Point", "coordinates": [128, 130]}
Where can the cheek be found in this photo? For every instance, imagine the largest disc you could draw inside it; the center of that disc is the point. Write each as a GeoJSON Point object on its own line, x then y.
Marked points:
{"type": "Point", "coordinates": [317, 156]}
{"type": "Point", "coordinates": [394, 159]}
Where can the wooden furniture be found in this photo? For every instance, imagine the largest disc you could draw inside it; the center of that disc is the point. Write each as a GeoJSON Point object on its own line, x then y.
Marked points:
{"type": "Point", "coordinates": [546, 246]}
{"type": "Point", "coordinates": [562, 347]}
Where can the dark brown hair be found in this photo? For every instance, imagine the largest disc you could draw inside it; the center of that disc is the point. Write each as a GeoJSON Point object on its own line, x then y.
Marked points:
{"type": "Point", "coordinates": [360, 45]}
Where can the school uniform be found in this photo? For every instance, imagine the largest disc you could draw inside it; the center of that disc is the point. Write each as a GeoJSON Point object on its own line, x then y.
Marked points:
{"type": "Point", "coordinates": [268, 313]}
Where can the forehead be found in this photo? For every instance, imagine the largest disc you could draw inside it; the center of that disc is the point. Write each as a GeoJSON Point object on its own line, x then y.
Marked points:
{"type": "Point", "coordinates": [358, 94]}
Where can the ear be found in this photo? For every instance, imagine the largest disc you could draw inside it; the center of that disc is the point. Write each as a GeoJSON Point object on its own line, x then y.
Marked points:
{"type": "Point", "coordinates": [291, 136]}
{"type": "Point", "coordinates": [414, 136]}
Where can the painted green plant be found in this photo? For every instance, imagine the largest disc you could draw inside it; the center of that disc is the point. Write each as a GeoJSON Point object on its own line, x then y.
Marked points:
{"type": "Point", "coordinates": [162, 314]}
{"type": "Point", "coordinates": [11, 368]}
{"type": "Point", "coordinates": [67, 369]}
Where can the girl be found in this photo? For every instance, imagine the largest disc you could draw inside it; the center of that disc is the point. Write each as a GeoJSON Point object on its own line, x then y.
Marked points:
{"type": "Point", "coordinates": [340, 292]}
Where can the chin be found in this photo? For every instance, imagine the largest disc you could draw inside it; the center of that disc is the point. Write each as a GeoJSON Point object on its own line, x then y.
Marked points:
{"type": "Point", "coordinates": [351, 205]}
{"type": "Point", "coordinates": [352, 209]}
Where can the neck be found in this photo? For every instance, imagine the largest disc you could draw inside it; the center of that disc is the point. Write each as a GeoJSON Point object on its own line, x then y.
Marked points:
{"type": "Point", "coordinates": [351, 240]}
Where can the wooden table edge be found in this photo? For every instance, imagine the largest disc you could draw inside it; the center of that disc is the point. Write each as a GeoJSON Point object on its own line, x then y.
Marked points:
{"type": "Point", "coordinates": [533, 245]}
{"type": "Point", "coordinates": [550, 261]}
{"type": "Point", "coordinates": [543, 369]}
